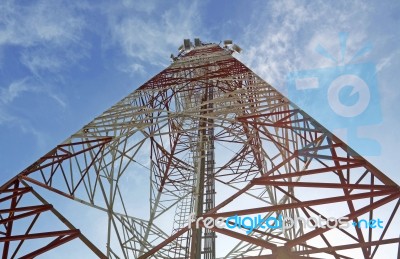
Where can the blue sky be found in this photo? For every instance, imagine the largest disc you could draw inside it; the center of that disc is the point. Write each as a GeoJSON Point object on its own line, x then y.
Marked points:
{"type": "Point", "coordinates": [63, 62]}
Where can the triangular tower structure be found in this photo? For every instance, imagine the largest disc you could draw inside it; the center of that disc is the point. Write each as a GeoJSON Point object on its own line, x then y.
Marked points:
{"type": "Point", "coordinates": [205, 160]}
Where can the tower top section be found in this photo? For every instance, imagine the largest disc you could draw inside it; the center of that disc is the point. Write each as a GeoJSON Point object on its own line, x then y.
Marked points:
{"type": "Point", "coordinates": [189, 48]}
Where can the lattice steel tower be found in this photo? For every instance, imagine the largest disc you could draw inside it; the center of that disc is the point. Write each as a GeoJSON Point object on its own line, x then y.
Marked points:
{"type": "Point", "coordinates": [206, 138]}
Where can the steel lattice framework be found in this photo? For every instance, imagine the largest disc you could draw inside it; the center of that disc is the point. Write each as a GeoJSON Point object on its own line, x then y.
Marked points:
{"type": "Point", "coordinates": [213, 140]}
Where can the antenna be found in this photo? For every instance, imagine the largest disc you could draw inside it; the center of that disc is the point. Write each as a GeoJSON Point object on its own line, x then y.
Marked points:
{"type": "Point", "coordinates": [187, 44]}
{"type": "Point", "coordinates": [236, 48]}
{"type": "Point", "coordinates": [197, 42]}
{"type": "Point", "coordinates": [227, 42]}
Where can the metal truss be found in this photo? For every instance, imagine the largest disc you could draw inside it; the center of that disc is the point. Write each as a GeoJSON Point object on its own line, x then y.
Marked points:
{"type": "Point", "coordinates": [213, 140]}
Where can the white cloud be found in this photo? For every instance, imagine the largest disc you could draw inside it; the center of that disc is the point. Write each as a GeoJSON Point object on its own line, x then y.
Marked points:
{"type": "Point", "coordinates": [386, 61]}
{"type": "Point", "coordinates": [133, 68]}
{"type": "Point", "coordinates": [287, 39]}
{"type": "Point", "coordinates": [44, 31]}
{"type": "Point", "coordinates": [38, 61]}
{"type": "Point", "coordinates": [38, 23]}
{"type": "Point", "coordinates": [16, 88]}
{"type": "Point", "coordinates": [147, 40]}
{"type": "Point", "coordinates": [46, 37]}
{"type": "Point", "coordinates": [4, 117]}
{"type": "Point", "coordinates": [58, 99]}
{"type": "Point", "coordinates": [140, 5]}
{"type": "Point", "coordinates": [28, 84]}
